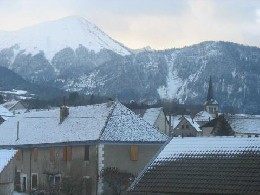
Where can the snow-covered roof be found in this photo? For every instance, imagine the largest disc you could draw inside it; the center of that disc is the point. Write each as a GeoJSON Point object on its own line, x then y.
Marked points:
{"type": "Point", "coordinates": [5, 157]}
{"type": "Point", "coordinates": [203, 116]}
{"type": "Point", "coordinates": [211, 102]}
{"type": "Point", "coordinates": [221, 165]}
{"type": "Point", "coordinates": [245, 124]}
{"type": "Point", "coordinates": [124, 125]}
{"type": "Point", "coordinates": [175, 120]}
{"type": "Point", "coordinates": [193, 123]}
{"type": "Point", "coordinates": [110, 122]}
{"type": "Point", "coordinates": [151, 115]}
{"type": "Point", "coordinates": [9, 104]}
{"type": "Point", "coordinates": [4, 113]}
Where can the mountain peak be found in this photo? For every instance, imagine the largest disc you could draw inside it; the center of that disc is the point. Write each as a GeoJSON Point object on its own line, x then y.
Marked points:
{"type": "Point", "coordinates": [53, 36]}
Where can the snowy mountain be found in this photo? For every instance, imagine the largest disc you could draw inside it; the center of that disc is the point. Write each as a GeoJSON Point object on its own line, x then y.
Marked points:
{"type": "Point", "coordinates": [51, 37]}
{"type": "Point", "coordinates": [41, 52]}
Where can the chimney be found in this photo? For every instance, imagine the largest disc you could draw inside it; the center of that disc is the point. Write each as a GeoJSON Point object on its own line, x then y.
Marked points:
{"type": "Point", "coordinates": [64, 112]}
{"type": "Point", "coordinates": [17, 131]}
{"type": "Point", "coordinates": [109, 102]}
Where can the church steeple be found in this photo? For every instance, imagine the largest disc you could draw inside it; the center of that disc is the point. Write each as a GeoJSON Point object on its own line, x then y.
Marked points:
{"type": "Point", "coordinates": [210, 90]}
{"type": "Point", "coordinates": [211, 105]}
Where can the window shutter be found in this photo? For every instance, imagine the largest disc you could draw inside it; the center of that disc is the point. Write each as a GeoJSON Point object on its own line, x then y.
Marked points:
{"type": "Point", "coordinates": [35, 154]}
{"type": "Point", "coordinates": [69, 153]}
{"type": "Point", "coordinates": [134, 153]}
{"type": "Point", "coordinates": [64, 157]}
{"type": "Point", "coordinates": [18, 155]}
{"type": "Point", "coordinates": [52, 154]}
{"type": "Point", "coordinates": [86, 156]}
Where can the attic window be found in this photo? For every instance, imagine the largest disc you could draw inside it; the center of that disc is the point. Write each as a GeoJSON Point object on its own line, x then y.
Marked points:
{"type": "Point", "coordinates": [134, 153]}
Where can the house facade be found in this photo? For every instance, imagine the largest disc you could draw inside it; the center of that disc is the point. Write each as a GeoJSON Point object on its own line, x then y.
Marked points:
{"type": "Point", "coordinates": [66, 149]}
{"type": "Point", "coordinates": [187, 127]}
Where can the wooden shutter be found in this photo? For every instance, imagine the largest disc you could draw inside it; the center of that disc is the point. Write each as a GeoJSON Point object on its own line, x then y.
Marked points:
{"type": "Point", "coordinates": [134, 153]}
{"type": "Point", "coordinates": [52, 154]}
{"type": "Point", "coordinates": [35, 154]}
{"type": "Point", "coordinates": [18, 155]}
{"type": "Point", "coordinates": [64, 157]}
{"type": "Point", "coordinates": [69, 153]}
{"type": "Point", "coordinates": [86, 156]}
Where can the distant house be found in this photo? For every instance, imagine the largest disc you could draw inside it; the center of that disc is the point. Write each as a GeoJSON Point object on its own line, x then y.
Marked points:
{"type": "Point", "coordinates": [7, 171]}
{"type": "Point", "coordinates": [202, 165]}
{"type": "Point", "coordinates": [186, 127]}
{"type": "Point", "coordinates": [15, 106]}
{"type": "Point", "coordinates": [241, 124]}
{"type": "Point", "coordinates": [74, 144]}
{"type": "Point", "coordinates": [155, 117]}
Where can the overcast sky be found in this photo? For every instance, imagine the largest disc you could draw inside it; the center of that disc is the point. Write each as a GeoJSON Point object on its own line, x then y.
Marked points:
{"type": "Point", "coordinates": [138, 23]}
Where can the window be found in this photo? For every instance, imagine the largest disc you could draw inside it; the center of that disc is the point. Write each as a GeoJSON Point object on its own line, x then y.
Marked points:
{"type": "Point", "coordinates": [57, 180]}
{"type": "Point", "coordinates": [52, 154]}
{"type": "Point", "coordinates": [182, 126]}
{"type": "Point", "coordinates": [34, 180]}
{"type": "Point", "coordinates": [134, 153]}
{"type": "Point", "coordinates": [35, 154]}
{"type": "Point", "coordinates": [187, 126]}
{"type": "Point", "coordinates": [86, 154]}
{"type": "Point", "coordinates": [67, 153]}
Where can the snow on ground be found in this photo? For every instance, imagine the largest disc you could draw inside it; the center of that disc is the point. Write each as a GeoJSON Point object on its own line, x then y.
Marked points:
{"type": "Point", "coordinates": [15, 91]}
{"type": "Point", "coordinates": [249, 124]}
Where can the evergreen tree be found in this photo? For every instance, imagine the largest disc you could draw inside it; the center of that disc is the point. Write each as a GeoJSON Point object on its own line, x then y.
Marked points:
{"type": "Point", "coordinates": [1, 99]}
{"type": "Point", "coordinates": [222, 127]}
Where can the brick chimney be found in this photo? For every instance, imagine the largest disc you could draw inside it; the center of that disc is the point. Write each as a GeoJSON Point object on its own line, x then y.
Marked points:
{"type": "Point", "coordinates": [64, 112]}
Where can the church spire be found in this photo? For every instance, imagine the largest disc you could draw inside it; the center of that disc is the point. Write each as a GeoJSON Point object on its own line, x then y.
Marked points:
{"type": "Point", "coordinates": [210, 90]}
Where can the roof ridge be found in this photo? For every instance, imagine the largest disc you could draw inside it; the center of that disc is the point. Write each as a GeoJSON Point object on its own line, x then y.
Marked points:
{"type": "Point", "coordinates": [108, 117]}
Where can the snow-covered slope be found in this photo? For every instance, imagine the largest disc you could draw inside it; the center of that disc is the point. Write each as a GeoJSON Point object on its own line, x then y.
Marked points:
{"type": "Point", "coordinates": [53, 36]}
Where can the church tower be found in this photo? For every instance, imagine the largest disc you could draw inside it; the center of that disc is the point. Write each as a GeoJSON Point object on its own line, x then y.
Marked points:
{"type": "Point", "coordinates": [211, 105]}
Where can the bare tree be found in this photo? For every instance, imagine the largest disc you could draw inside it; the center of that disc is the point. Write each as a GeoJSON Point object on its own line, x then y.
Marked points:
{"type": "Point", "coordinates": [117, 180]}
